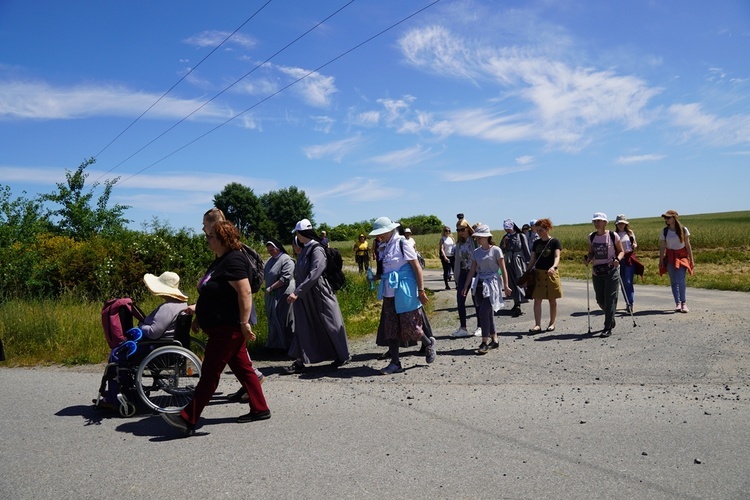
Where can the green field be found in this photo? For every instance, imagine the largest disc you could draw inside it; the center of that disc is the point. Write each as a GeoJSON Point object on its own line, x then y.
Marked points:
{"type": "Point", "coordinates": [68, 330]}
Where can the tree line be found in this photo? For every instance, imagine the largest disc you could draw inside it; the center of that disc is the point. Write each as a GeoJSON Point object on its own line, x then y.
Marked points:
{"type": "Point", "coordinates": [71, 241]}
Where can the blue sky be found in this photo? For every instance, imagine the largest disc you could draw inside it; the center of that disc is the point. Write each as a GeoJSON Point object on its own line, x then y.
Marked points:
{"type": "Point", "coordinates": [513, 109]}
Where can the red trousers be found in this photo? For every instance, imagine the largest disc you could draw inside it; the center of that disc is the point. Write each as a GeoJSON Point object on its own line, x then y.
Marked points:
{"type": "Point", "coordinates": [225, 346]}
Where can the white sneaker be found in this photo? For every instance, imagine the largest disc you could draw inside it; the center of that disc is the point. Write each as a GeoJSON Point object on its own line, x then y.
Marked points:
{"type": "Point", "coordinates": [478, 332]}
{"type": "Point", "coordinates": [461, 332]}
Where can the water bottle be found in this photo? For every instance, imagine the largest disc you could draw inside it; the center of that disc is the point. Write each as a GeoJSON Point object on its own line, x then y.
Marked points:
{"type": "Point", "coordinates": [371, 279]}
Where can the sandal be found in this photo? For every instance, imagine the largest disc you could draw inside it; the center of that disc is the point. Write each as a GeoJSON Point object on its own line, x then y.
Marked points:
{"type": "Point", "coordinates": [536, 329]}
{"type": "Point", "coordinates": [550, 328]}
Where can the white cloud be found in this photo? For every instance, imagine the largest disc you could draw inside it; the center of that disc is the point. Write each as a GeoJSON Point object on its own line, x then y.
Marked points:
{"type": "Point", "coordinates": [358, 189]}
{"type": "Point", "coordinates": [323, 123]}
{"type": "Point", "coordinates": [404, 157]}
{"type": "Point", "coordinates": [334, 150]}
{"type": "Point", "coordinates": [314, 88]}
{"type": "Point", "coordinates": [624, 160]}
{"type": "Point", "coordinates": [552, 100]}
{"type": "Point", "coordinates": [718, 130]}
{"type": "Point", "coordinates": [524, 160]}
{"type": "Point", "coordinates": [366, 119]}
{"type": "Point", "coordinates": [193, 181]}
{"type": "Point", "coordinates": [436, 50]}
{"type": "Point", "coordinates": [212, 39]}
{"type": "Point", "coordinates": [483, 174]}
{"type": "Point", "coordinates": [40, 101]}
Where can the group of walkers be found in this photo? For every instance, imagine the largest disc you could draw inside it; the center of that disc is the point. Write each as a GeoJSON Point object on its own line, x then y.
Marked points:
{"type": "Point", "coordinates": [305, 320]}
{"type": "Point", "coordinates": [490, 273]}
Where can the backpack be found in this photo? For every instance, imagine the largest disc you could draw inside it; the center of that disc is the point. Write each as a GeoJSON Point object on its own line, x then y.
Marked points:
{"type": "Point", "coordinates": [117, 318]}
{"type": "Point", "coordinates": [256, 267]}
{"type": "Point", "coordinates": [334, 272]}
{"type": "Point", "coordinates": [611, 236]}
{"type": "Point", "coordinates": [420, 259]}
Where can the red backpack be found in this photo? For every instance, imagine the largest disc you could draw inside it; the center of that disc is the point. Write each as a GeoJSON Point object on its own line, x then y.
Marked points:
{"type": "Point", "coordinates": [117, 318]}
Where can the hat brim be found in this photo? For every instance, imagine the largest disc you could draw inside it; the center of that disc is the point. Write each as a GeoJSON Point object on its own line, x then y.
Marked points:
{"type": "Point", "coordinates": [621, 222]}
{"type": "Point", "coordinates": [482, 235]}
{"type": "Point", "coordinates": [598, 218]}
{"type": "Point", "coordinates": [157, 287]}
{"type": "Point", "coordinates": [385, 229]}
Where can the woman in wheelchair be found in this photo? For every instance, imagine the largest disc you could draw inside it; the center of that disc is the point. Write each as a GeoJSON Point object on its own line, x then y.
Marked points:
{"type": "Point", "coordinates": [162, 320]}
{"type": "Point", "coordinates": [160, 323]}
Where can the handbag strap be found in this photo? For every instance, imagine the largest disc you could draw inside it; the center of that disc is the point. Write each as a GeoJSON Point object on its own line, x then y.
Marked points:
{"type": "Point", "coordinates": [543, 249]}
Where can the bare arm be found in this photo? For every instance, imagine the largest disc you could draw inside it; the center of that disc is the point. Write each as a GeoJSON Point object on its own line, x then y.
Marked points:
{"type": "Point", "coordinates": [420, 280]}
{"type": "Point", "coordinates": [471, 274]}
{"type": "Point", "coordinates": [245, 302]}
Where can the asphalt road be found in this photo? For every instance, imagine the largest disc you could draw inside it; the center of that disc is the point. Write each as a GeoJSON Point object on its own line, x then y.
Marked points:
{"type": "Point", "coordinates": [659, 410]}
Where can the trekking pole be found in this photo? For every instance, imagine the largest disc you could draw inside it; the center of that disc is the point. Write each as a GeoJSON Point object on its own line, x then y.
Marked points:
{"type": "Point", "coordinates": [588, 303]}
{"type": "Point", "coordinates": [625, 296]}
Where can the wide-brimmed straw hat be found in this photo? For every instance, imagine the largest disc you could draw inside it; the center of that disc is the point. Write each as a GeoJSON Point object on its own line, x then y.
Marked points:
{"type": "Point", "coordinates": [383, 225]}
{"type": "Point", "coordinates": [166, 285]}
{"type": "Point", "coordinates": [482, 231]}
{"type": "Point", "coordinates": [621, 219]}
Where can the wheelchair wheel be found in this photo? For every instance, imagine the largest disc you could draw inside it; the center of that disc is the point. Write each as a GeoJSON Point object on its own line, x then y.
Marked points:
{"type": "Point", "coordinates": [167, 377]}
{"type": "Point", "coordinates": [198, 347]}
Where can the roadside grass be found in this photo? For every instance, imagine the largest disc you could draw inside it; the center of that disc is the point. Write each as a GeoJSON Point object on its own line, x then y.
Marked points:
{"type": "Point", "coordinates": [68, 330]}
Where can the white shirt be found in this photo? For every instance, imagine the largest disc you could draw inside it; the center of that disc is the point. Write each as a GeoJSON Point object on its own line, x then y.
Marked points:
{"type": "Point", "coordinates": [449, 247]}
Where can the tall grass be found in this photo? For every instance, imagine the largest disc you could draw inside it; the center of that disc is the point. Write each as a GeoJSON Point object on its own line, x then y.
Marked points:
{"type": "Point", "coordinates": [68, 331]}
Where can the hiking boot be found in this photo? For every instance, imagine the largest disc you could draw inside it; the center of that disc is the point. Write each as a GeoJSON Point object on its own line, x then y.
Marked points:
{"type": "Point", "coordinates": [430, 351]}
{"type": "Point", "coordinates": [254, 416]}
{"type": "Point", "coordinates": [478, 332]}
{"type": "Point", "coordinates": [176, 421]}
{"type": "Point", "coordinates": [484, 348]}
{"type": "Point", "coordinates": [391, 369]}
{"type": "Point", "coordinates": [461, 332]}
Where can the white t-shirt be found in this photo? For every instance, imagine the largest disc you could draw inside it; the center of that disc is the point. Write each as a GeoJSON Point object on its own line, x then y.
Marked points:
{"type": "Point", "coordinates": [627, 243]}
{"type": "Point", "coordinates": [449, 247]}
{"type": "Point", "coordinates": [673, 241]}
{"type": "Point", "coordinates": [410, 242]}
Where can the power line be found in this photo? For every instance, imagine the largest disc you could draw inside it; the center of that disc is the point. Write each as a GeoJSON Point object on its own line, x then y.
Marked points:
{"type": "Point", "coordinates": [230, 86]}
{"type": "Point", "coordinates": [175, 85]}
{"type": "Point", "coordinates": [331, 61]}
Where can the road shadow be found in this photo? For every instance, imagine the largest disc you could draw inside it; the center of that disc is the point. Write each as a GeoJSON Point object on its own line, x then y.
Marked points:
{"type": "Point", "coordinates": [567, 336]}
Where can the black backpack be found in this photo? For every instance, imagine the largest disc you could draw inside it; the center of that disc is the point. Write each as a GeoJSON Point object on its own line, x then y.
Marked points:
{"type": "Point", "coordinates": [256, 268]}
{"type": "Point", "coordinates": [334, 272]}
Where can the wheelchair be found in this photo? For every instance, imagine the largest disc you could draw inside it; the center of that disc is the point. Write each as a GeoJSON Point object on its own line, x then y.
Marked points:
{"type": "Point", "coordinates": [156, 375]}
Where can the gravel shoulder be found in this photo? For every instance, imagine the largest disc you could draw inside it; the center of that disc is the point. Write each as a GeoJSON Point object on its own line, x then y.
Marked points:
{"type": "Point", "coordinates": [658, 410]}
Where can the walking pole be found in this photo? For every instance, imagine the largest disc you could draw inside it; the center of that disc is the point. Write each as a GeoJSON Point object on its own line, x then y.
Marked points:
{"type": "Point", "coordinates": [588, 303]}
{"type": "Point", "coordinates": [625, 296]}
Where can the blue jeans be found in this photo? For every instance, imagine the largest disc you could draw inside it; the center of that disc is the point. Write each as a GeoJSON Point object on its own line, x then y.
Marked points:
{"type": "Point", "coordinates": [627, 273]}
{"type": "Point", "coordinates": [677, 278]}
